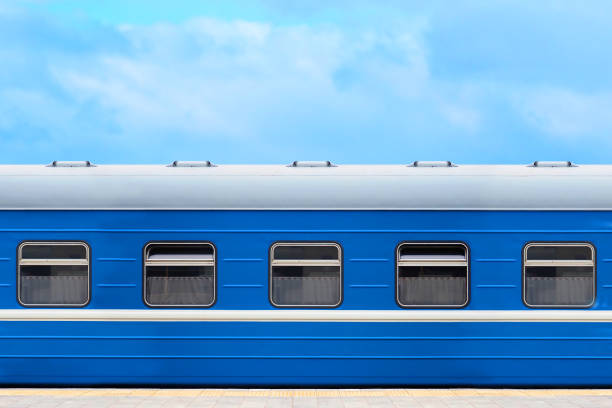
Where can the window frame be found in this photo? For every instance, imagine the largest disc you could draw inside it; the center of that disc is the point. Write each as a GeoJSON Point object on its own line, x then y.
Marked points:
{"type": "Point", "coordinates": [557, 243]}
{"type": "Point", "coordinates": [306, 243]}
{"type": "Point", "coordinates": [178, 243]}
{"type": "Point", "coordinates": [433, 243]}
{"type": "Point", "coordinates": [88, 255]}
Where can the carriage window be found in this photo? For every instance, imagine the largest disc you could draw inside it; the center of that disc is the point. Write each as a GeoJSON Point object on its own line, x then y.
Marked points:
{"type": "Point", "coordinates": [179, 274]}
{"type": "Point", "coordinates": [53, 274]}
{"type": "Point", "coordinates": [559, 275]}
{"type": "Point", "coordinates": [432, 275]}
{"type": "Point", "coordinates": [306, 274]}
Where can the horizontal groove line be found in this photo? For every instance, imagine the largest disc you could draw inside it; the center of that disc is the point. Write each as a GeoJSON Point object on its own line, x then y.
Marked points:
{"type": "Point", "coordinates": [116, 259]}
{"type": "Point", "coordinates": [242, 286]}
{"type": "Point", "coordinates": [496, 260]}
{"type": "Point", "coordinates": [116, 285]}
{"type": "Point", "coordinates": [5, 284]}
{"type": "Point", "coordinates": [198, 231]}
{"type": "Point", "coordinates": [368, 286]}
{"type": "Point", "coordinates": [496, 286]}
{"type": "Point", "coordinates": [308, 338]}
{"type": "Point", "coordinates": [243, 260]}
{"type": "Point", "coordinates": [369, 260]}
{"type": "Point", "coordinates": [4, 259]}
{"type": "Point", "coordinates": [305, 357]}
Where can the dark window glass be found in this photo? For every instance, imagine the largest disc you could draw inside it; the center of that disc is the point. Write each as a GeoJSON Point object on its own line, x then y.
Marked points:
{"type": "Point", "coordinates": [53, 274]}
{"type": "Point", "coordinates": [545, 252]}
{"type": "Point", "coordinates": [180, 251]}
{"type": "Point", "coordinates": [559, 275]}
{"type": "Point", "coordinates": [454, 251]}
{"type": "Point", "coordinates": [54, 285]}
{"type": "Point", "coordinates": [432, 275]}
{"type": "Point", "coordinates": [180, 285]}
{"type": "Point", "coordinates": [41, 251]}
{"type": "Point", "coordinates": [180, 275]}
{"type": "Point", "coordinates": [304, 284]}
{"type": "Point", "coordinates": [305, 252]}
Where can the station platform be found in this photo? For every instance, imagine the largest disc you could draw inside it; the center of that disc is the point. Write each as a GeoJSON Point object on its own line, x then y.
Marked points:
{"type": "Point", "coordinates": [302, 398]}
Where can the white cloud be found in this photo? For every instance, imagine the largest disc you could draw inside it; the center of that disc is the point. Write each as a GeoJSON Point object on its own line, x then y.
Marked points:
{"type": "Point", "coordinates": [266, 86]}
{"type": "Point", "coordinates": [36, 107]}
{"type": "Point", "coordinates": [567, 113]}
{"type": "Point", "coordinates": [213, 78]}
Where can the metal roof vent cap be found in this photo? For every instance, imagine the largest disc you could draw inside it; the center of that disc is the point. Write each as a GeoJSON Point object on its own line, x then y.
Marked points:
{"type": "Point", "coordinates": [326, 163]}
{"type": "Point", "coordinates": [540, 163]}
{"type": "Point", "coordinates": [179, 163]}
{"type": "Point", "coordinates": [421, 163]}
{"type": "Point", "coordinates": [85, 163]}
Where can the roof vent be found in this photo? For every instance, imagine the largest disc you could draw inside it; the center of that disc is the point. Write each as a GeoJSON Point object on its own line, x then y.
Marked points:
{"type": "Point", "coordinates": [553, 164]}
{"type": "Point", "coordinates": [312, 164]}
{"type": "Point", "coordinates": [57, 163]}
{"type": "Point", "coordinates": [178, 163]}
{"type": "Point", "coordinates": [420, 163]}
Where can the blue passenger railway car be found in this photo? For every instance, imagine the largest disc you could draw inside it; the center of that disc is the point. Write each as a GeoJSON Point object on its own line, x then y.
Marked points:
{"type": "Point", "coordinates": [306, 274]}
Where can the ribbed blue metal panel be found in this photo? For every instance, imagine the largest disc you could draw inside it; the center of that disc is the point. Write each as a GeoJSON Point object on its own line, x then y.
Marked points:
{"type": "Point", "coordinates": [299, 353]}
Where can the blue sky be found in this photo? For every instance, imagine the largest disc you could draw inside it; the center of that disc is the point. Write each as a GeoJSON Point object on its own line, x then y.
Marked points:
{"type": "Point", "coordinates": [272, 81]}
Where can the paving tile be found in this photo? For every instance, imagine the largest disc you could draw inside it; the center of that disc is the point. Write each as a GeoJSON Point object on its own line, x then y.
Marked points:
{"type": "Point", "coordinates": [303, 398]}
{"type": "Point", "coordinates": [307, 402]}
{"type": "Point", "coordinates": [330, 402]}
{"type": "Point", "coordinates": [408, 403]}
{"type": "Point", "coordinates": [275, 402]}
{"type": "Point", "coordinates": [254, 403]}
{"type": "Point", "coordinates": [355, 402]}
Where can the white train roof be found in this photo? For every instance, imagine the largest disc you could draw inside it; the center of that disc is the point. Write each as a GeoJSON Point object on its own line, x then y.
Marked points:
{"type": "Point", "coordinates": [548, 186]}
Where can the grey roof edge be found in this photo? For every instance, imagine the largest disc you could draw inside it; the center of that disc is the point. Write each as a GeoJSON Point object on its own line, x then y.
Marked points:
{"type": "Point", "coordinates": [283, 169]}
{"type": "Point", "coordinates": [278, 187]}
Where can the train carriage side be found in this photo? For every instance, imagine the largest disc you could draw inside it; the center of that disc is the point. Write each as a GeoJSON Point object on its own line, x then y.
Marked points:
{"type": "Point", "coordinates": [309, 274]}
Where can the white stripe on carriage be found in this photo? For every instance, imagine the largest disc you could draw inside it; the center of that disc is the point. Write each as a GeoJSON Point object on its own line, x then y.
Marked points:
{"type": "Point", "coordinates": [156, 315]}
